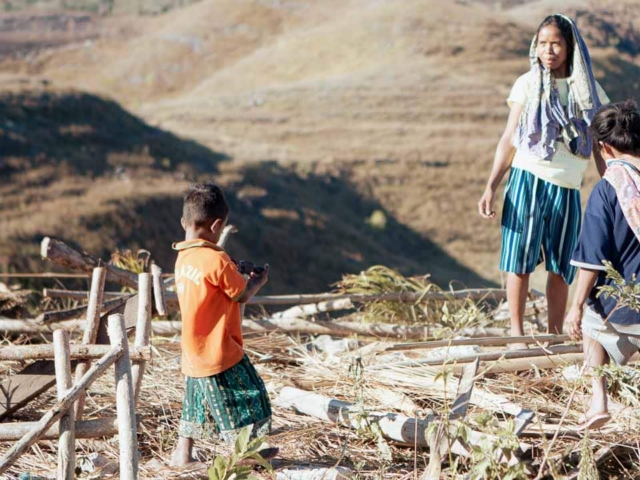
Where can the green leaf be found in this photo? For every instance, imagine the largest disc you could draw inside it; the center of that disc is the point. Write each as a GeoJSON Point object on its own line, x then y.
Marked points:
{"type": "Point", "coordinates": [243, 439]}
{"type": "Point", "coordinates": [219, 469]}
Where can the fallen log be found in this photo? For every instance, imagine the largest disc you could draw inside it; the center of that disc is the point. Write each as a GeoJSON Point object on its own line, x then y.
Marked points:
{"type": "Point", "coordinates": [62, 254]}
{"type": "Point", "coordinates": [61, 406]}
{"type": "Point", "coordinates": [77, 352]}
{"type": "Point", "coordinates": [102, 427]}
{"type": "Point", "coordinates": [397, 428]}
{"type": "Point", "coordinates": [491, 356]}
{"type": "Point", "coordinates": [78, 312]}
{"type": "Point", "coordinates": [480, 342]}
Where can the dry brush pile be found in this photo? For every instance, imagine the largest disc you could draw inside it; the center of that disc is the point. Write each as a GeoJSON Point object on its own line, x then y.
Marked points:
{"type": "Point", "coordinates": [382, 408]}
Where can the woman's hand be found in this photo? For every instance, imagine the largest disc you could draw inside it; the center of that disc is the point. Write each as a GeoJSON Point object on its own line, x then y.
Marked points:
{"type": "Point", "coordinates": [485, 205]}
{"type": "Point", "coordinates": [573, 321]}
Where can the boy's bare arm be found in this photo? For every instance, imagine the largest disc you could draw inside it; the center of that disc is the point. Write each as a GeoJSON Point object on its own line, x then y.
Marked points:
{"type": "Point", "coordinates": [586, 281]}
{"type": "Point", "coordinates": [254, 284]}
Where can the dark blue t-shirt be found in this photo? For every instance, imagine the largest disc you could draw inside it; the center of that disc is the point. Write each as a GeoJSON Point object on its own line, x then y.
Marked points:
{"type": "Point", "coordinates": [606, 235]}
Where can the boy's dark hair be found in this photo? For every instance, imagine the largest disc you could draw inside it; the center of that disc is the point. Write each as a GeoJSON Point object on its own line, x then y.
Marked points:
{"type": "Point", "coordinates": [204, 203]}
{"type": "Point", "coordinates": [566, 31]}
{"type": "Point", "coordinates": [618, 125]}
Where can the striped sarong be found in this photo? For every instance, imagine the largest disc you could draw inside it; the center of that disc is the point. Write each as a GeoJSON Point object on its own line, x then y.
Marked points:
{"type": "Point", "coordinates": [219, 406]}
{"type": "Point", "coordinates": [540, 222]}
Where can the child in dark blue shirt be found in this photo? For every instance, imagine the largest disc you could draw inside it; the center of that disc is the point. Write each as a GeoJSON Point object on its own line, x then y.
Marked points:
{"type": "Point", "coordinates": [610, 232]}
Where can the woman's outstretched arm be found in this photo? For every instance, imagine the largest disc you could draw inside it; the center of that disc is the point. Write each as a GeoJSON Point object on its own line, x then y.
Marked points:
{"type": "Point", "coordinates": [501, 163]}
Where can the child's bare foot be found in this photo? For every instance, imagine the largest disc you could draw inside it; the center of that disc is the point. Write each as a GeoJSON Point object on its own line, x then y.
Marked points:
{"type": "Point", "coordinates": [182, 456]}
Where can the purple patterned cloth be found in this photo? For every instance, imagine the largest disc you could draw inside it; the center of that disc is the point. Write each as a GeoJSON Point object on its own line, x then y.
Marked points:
{"type": "Point", "coordinates": [544, 119]}
{"type": "Point", "coordinates": [624, 176]}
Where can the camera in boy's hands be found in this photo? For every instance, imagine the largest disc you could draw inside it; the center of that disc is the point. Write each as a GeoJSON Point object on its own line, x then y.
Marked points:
{"type": "Point", "coordinates": [247, 268]}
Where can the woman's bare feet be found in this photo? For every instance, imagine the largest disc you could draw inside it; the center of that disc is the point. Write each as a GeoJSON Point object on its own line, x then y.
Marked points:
{"type": "Point", "coordinates": [593, 421]}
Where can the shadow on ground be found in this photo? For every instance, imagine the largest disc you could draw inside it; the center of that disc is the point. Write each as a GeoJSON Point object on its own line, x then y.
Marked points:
{"type": "Point", "coordinates": [310, 226]}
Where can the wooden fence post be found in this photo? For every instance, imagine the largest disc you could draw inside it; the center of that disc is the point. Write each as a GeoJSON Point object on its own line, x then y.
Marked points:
{"type": "Point", "coordinates": [91, 327]}
{"type": "Point", "coordinates": [124, 401]}
{"type": "Point", "coordinates": [158, 290]}
{"type": "Point", "coordinates": [143, 330]}
{"type": "Point", "coordinates": [67, 442]}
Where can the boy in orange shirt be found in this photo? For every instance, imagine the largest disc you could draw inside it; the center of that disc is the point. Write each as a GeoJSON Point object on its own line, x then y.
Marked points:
{"type": "Point", "coordinates": [223, 392]}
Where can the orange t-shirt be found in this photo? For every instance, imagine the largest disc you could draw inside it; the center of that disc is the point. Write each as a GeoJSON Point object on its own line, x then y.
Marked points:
{"type": "Point", "coordinates": [208, 285]}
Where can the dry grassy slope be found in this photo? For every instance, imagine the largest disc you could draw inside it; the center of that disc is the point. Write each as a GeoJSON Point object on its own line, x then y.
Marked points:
{"type": "Point", "coordinates": [402, 101]}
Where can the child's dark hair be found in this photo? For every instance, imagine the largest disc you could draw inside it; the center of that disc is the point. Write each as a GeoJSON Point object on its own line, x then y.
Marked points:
{"type": "Point", "coordinates": [618, 125]}
{"type": "Point", "coordinates": [204, 203]}
{"type": "Point", "coordinates": [566, 30]}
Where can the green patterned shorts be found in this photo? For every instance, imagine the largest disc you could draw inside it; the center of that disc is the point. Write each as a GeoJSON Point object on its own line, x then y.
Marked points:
{"type": "Point", "coordinates": [219, 406]}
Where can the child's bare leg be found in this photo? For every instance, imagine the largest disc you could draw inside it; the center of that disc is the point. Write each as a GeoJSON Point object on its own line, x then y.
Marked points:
{"type": "Point", "coordinates": [596, 356]}
{"type": "Point", "coordinates": [557, 294]}
{"type": "Point", "coordinates": [517, 289]}
{"type": "Point", "coordinates": [183, 454]}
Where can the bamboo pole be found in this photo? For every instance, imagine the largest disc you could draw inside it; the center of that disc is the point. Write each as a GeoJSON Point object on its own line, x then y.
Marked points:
{"type": "Point", "coordinates": [77, 352]}
{"type": "Point", "coordinates": [91, 327]}
{"type": "Point", "coordinates": [158, 290]}
{"type": "Point", "coordinates": [143, 330]}
{"type": "Point", "coordinates": [62, 254]}
{"type": "Point", "coordinates": [507, 355]}
{"type": "Point", "coordinates": [486, 342]}
{"type": "Point", "coordinates": [101, 427]}
{"type": "Point", "coordinates": [77, 294]}
{"type": "Point", "coordinates": [78, 312]}
{"type": "Point", "coordinates": [61, 406]}
{"type": "Point", "coordinates": [406, 297]}
{"type": "Point", "coordinates": [67, 442]}
{"type": "Point", "coordinates": [124, 401]}
{"type": "Point", "coordinates": [298, 326]}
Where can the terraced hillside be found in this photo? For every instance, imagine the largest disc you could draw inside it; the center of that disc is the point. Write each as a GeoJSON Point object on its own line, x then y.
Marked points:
{"type": "Point", "coordinates": [319, 114]}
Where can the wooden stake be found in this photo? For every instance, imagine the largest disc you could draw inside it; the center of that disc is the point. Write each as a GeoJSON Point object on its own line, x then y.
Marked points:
{"type": "Point", "coordinates": [465, 389]}
{"type": "Point", "coordinates": [91, 327]}
{"type": "Point", "coordinates": [143, 330]}
{"type": "Point", "coordinates": [61, 406]}
{"type": "Point", "coordinates": [158, 290]}
{"type": "Point", "coordinates": [67, 442]}
{"type": "Point", "coordinates": [226, 234]}
{"type": "Point", "coordinates": [124, 401]}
